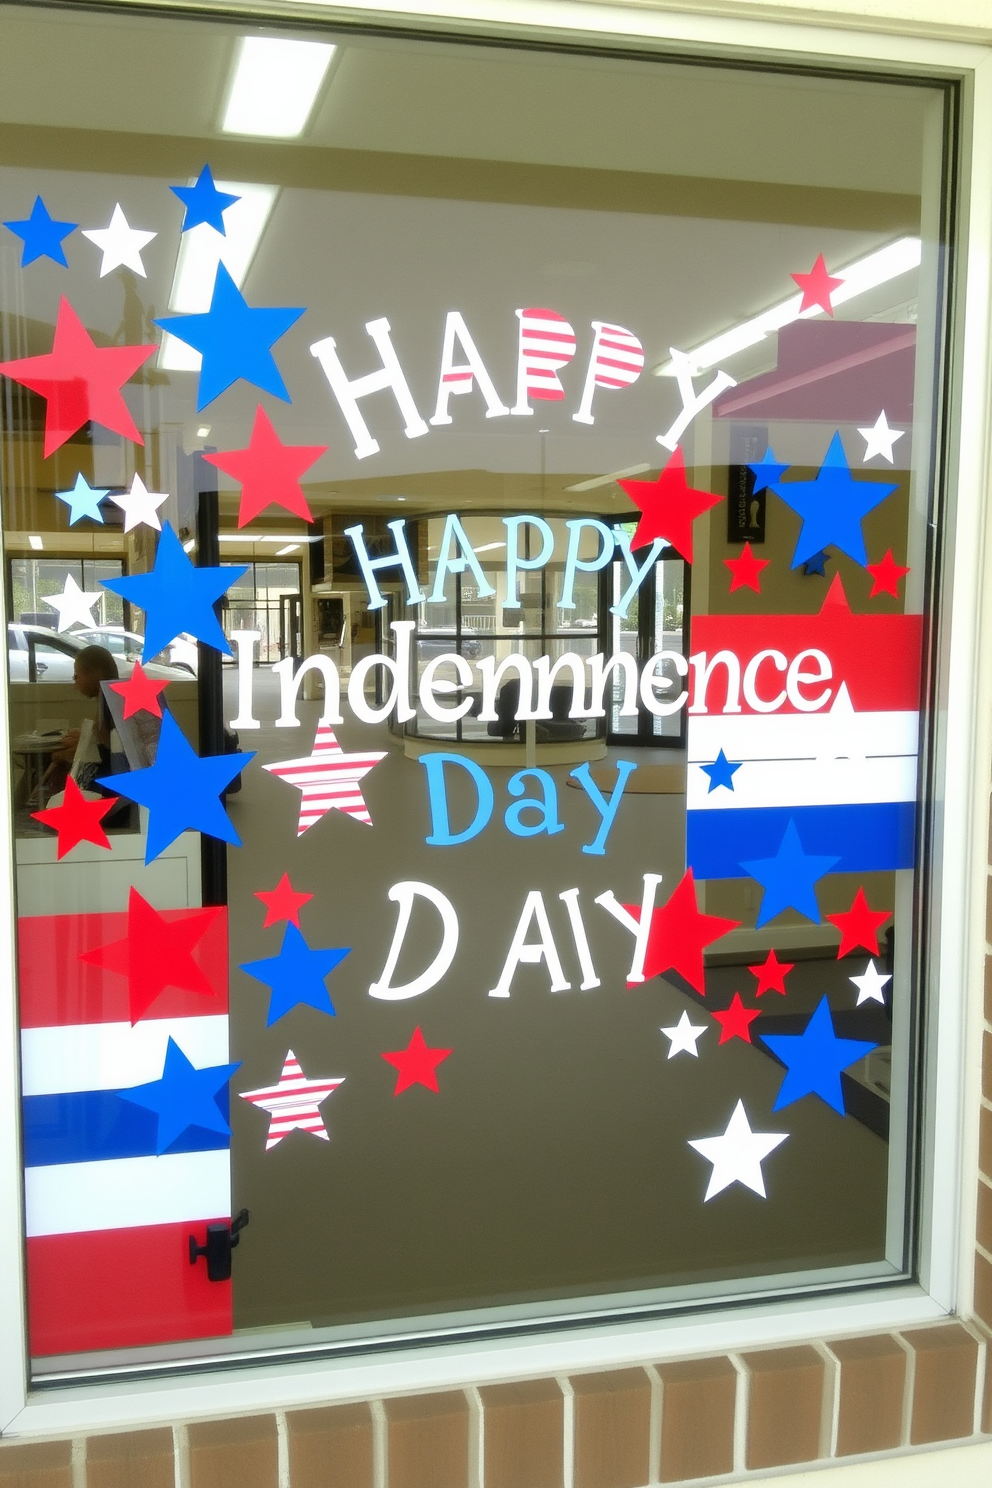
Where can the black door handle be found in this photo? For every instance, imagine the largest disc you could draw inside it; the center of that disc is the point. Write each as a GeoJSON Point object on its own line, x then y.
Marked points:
{"type": "Point", "coordinates": [221, 1240]}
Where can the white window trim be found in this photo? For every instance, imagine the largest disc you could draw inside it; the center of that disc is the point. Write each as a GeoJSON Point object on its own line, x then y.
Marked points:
{"type": "Point", "coordinates": [953, 1074]}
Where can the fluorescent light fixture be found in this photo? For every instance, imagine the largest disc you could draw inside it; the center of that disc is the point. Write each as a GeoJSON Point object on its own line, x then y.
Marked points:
{"type": "Point", "coordinates": [490, 547]}
{"type": "Point", "coordinates": [289, 548]}
{"type": "Point", "coordinates": [864, 274]}
{"type": "Point", "coordinates": [275, 86]}
{"type": "Point", "coordinates": [36, 543]}
{"type": "Point", "coordinates": [189, 546]}
{"type": "Point", "coordinates": [607, 480]}
{"type": "Point", "coordinates": [203, 431]}
{"type": "Point", "coordinates": [268, 537]}
{"type": "Point", "coordinates": [201, 250]}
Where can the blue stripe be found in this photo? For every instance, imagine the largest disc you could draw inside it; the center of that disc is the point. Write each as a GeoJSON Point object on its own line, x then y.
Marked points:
{"type": "Point", "coordinates": [866, 839]}
{"type": "Point", "coordinates": [90, 1125]}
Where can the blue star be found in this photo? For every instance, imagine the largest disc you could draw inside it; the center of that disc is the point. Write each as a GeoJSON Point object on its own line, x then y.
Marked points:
{"type": "Point", "coordinates": [183, 1097]}
{"type": "Point", "coordinates": [814, 1060]}
{"type": "Point", "coordinates": [721, 772]}
{"type": "Point", "coordinates": [180, 790]}
{"type": "Point", "coordinates": [817, 564]}
{"type": "Point", "coordinates": [296, 975]}
{"type": "Point", "coordinates": [832, 506]}
{"type": "Point", "coordinates": [178, 598]}
{"type": "Point", "coordinates": [766, 471]}
{"type": "Point", "coordinates": [788, 878]}
{"type": "Point", "coordinates": [204, 203]}
{"type": "Point", "coordinates": [234, 341]}
{"type": "Point", "coordinates": [42, 235]}
{"type": "Point", "coordinates": [83, 500]}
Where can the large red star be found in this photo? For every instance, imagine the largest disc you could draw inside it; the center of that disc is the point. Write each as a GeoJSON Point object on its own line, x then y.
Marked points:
{"type": "Point", "coordinates": [669, 507]}
{"type": "Point", "coordinates": [416, 1064]}
{"type": "Point", "coordinates": [80, 381]}
{"type": "Point", "coordinates": [771, 974]}
{"type": "Point", "coordinates": [269, 471]}
{"type": "Point", "coordinates": [76, 820]}
{"type": "Point", "coordinates": [859, 926]}
{"type": "Point", "coordinates": [154, 954]}
{"type": "Point", "coordinates": [282, 903]}
{"type": "Point", "coordinates": [679, 933]}
{"type": "Point", "coordinates": [746, 570]}
{"type": "Point", "coordinates": [140, 693]}
{"type": "Point", "coordinates": [886, 576]}
{"type": "Point", "coordinates": [735, 1021]}
{"type": "Point", "coordinates": [817, 287]}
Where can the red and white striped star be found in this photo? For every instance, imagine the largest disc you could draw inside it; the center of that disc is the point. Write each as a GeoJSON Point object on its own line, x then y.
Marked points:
{"type": "Point", "coordinates": [328, 779]}
{"type": "Point", "coordinates": [293, 1104]}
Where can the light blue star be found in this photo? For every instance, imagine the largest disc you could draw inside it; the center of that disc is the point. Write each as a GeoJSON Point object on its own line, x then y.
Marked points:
{"type": "Point", "coordinates": [788, 878]}
{"type": "Point", "coordinates": [721, 772]}
{"type": "Point", "coordinates": [83, 500]}
{"type": "Point", "coordinates": [177, 597]}
{"type": "Point", "coordinates": [766, 471]}
{"type": "Point", "coordinates": [832, 507]}
{"type": "Point", "coordinates": [204, 203]}
{"type": "Point", "coordinates": [180, 790]}
{"type": "Point", "coordinates": [183, 1097]}
{"type": "Point", "coordinates": [296, 975]}
{"type": "Point", "coordinates": [814, 1060]}
{"type": "Point", "coordinates": [42, 235]}
{"type": "Point", "coordinates": [234, 340]}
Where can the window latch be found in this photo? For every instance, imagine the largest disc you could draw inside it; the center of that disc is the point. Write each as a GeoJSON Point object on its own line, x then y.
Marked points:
{"type": "Point", "coordinates": [221, 1240]}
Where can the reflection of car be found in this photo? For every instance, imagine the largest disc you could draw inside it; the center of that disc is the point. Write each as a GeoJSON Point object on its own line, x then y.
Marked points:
{"type": "Point", "coordinates": [37, 654]}
{"type": "Point", "coordinates": [125, 645]}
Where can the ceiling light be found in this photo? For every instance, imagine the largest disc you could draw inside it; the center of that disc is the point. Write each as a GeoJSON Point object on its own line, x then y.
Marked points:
{"type": "Point", "coordinates": [36, 543]}
{"type": "Point", "coordinates": [490, 547]}
{"type": "Point", "coordinates": [607, 480]}
{"type": "Point", "coordinates": [864, 274]}
{"type": "Point", "coordinates": [289, 548]}
{"type": "Point", "coordinates": [203, 431]}
{"type": "Point", "coordinates": [275, 86]}
{"type": "Point", "coordinates": [190, 545]}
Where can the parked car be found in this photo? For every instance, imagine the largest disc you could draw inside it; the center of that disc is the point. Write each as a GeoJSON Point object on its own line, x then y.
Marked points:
{"type": "Point", "coordinates": [36, 653]}
{"type": "Point", "coordinates": [128, 646]}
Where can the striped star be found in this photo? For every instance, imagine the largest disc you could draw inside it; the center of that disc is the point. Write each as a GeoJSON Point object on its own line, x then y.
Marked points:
{"type": "Point", "coordinates": [328, 779]}
{"type": "Point", "coordinates": [293, 1104]}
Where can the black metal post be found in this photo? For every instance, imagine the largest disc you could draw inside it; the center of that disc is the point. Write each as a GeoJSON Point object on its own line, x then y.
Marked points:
{"type": "Point", "coordinates": [210, 690]}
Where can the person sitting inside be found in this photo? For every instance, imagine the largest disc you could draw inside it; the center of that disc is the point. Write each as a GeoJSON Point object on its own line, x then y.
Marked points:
{"type": "Point", "coordinates": [85, 753]}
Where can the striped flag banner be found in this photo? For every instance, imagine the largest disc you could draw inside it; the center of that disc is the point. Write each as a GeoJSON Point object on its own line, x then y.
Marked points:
{"type": "Point", "coordinates": [546, 344]}
{"type": "Point", "coordinates": [617, 361]}
{"type": "Point", "coordinates": [328, 778]}
{"type": "Point", "coordinates": [293, 1104]}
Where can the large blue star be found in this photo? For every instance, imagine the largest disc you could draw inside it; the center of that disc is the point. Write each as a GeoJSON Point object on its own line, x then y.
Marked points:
{"type": "Point", "coordinates": [180, 790]}
{"type": "Point", "coordinates": [203, 202]}
{"type": "Point", "coordinates": [234, 340]}
{"type": "Point", "coordinates": [296, 975]}
{"type": "Point", "coordinates": [42, 235]}
{"type": "Point", "coordinates": [766, 471]}
{"type": "Point", "coordinates": [178, 598]}
{"type": "Point", "coordinates": [83, 500]}
{"type": "Point", "coordinates": [832, 506]}
{"type": "Point", "coordinates": [721, 772]}
{"type": "Point", "coordinates": [788, 878]}
{"type": "Point", "coordinates": [814, 1060]}
{"type": "Point", "coordinates": [183, 1097]}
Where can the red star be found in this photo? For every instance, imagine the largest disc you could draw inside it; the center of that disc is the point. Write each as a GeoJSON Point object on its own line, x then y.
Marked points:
{"type": "Point", "coordinates": [76, 820]}
{"type": "Point", "coordinates": [886, 576]}
{"type": "Point", "coordinates": [746, 570]}
{"type": "Point", "coordinates": [859, 926]}
{"type": "Point", "coordinates": [155, 954]}
{"type": "Point", "coordinates": [669, 507]}
{"type": "Point", "coordinates": [817, 287]}
{"type": "Point", "coordinates": [678, 934]}
{"type": "Point", "coordinates": [140, 693]}
{"type": "Point", "coordinates": [416, 1063]}
{"type": "Point", "coordinates": [282, 903]}
{"type": "Point", "coordinates": [771, 974]}
{"type": "Point", "coordinates": [80, 381]}
{"type": "Point", "coordinates": [269, 471]}
{"type": "Point", "coordinates": [735, 1021]}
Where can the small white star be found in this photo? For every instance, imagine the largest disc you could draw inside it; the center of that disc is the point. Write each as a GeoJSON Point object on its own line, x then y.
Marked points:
{"type": "Point", "coordinates": [879, 439]}
{"type": "Point", "coordinates": [870, 985]}
{"type": "Point", "coordinates": [737, 1155]}
{"type": "Point", "coordinates": [683, 1037]}
{"type": "Point", "coordinates": [120, 244]}
{"type": "Point", "coordinates": [73, 604]}
{"type": "Point", "coordinates": [140, 506]}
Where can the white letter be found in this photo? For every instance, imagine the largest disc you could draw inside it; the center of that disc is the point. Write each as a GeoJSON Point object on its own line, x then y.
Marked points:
{"type": "Point", "coordinates": [640, 928]}
{"type": "Point", "coordinates": [652, 682]}
{"type": "Point", "coordinates": [348, 392]}
{"type": "Point", "coordinates": [289, 690]}
{"type": "Point", "coordinates": [619, 661]}
{"type": "Point", "coordinates": [544, 949]}
{"type": "Point", "coordinates": [546, 342]}
{"type": "Point", "coordinates": [751, 697]}
{"type": "Point", "coordinates": [702, 669]}
{"type": "Point", "coordinates": [570, 899]}
{"type": "Point", "coordinates": [792, 681]}
{"type": "Point", "coordinates": [617, 361]}
{"type": "Point", "coordinates": [492, 676]}
{"type": "Point", "coordinates": [403, 895]}
{"type": "Point", "coordinates": [547, 671]}
{"type": "Point", "coordinates": [458, 379]}
{"type": "Point", "coordinates": [399, 670]}
{"type": "Point", "coordinates": [454, 532]}
{"type": "Point", "coordinates": [692, 402]}
{"type": "Point", "coordinates": [245, 642]}
{"type": "Point", "coordinates": [400, 559]}
{"type": "Point", "coordinates": [430, 683]}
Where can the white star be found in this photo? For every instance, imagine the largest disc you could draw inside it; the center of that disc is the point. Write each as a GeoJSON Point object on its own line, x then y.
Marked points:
{"type": "Point", "coordinates": [683, 1037]}
{"type": "Point", "coordinates": [294, 1103]}
{"type": "Point", "coordinates": [870, 985]}
{"type": "Point", "coordinates": [737, 1155]}
{"type": "Point", "coordinates": [73, 604]}
{"type": "Point", "coordinates": [140, 506]}
{"type": "Point", "coordinates": [328, 779]}
{"type": "Point", "coordinates": [879, 439]}
{"type": "Point", "coordinates": [120, 243]}
{"type": "Point", "coordinates": [841, 735]}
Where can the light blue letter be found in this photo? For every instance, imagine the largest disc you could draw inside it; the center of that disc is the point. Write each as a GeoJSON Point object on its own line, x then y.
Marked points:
{"type": "Point", "coordinates": [547, 805]}
{"type": "Point", "coordinates": [573, 563]}
{"type": "Point", "coordinates": [441, 834]}
{"type": "Point", "coordinates": [606, 808]}
{"type": "Point", "coordinates": [454, 532]}
{"type": "Point", "coordinates": [513, 558]}
{"type": "Point", "coordinates": [637, 575]}
{"type": "Point", "coordinates": [400, 559]}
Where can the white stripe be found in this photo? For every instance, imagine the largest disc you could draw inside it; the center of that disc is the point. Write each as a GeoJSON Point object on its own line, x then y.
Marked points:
{"type": "Point", "coordinates": [806, 783]}
{"type": "Point", "coordinates": [69, 1198]}
{"type": "Point", "coordinates": [750, 736]}
{"type": "Point", "coordinates": [108, 1056]}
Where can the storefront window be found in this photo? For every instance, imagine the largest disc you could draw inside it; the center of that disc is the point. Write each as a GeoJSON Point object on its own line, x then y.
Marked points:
{"type": "Point", "coordinates": [469, 606]}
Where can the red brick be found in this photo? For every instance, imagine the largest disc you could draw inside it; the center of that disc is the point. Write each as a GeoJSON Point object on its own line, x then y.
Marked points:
{"type": "Point", "coordinates": [785, 1406]}
{"type": "Point", "coordinates": [698, 1403]}
{"type": "Point", "coordinates": [524, 1434]}
{"type": "Point", "coordinates": [36, 1465]}
{"type": "Point", "coordinates": [129, 1458]}
{"type": "Point", "coordinates": [331, 1447]}
{"type": "Point", "coordinates": [612, 1429]}
{"type": "Point", "coordinates": [944, 1386]}
{"type": "Point", "coordinates": [872, 1390]}
{"type": "Point", "coordinates": [242, 1453]}
{"type": "Point", "coordinates": [983, 1290]}
{"type": "Point", "coordinates": [428, 1441]}
{"type": "Point", "coordinates": [985, 1141]}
